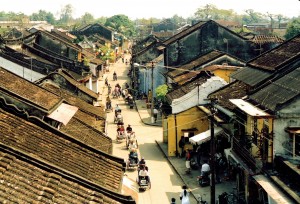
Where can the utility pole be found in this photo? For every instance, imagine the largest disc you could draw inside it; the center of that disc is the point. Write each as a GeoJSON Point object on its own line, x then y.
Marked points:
{"type": "Point", "coordinates": [212, 153]}
{"type": "Point", "coordinates": [152, 87]}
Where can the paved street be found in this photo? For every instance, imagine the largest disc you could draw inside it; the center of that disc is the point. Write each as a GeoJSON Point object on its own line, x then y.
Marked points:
{"type": "Point", "coordinates": [167, 173]}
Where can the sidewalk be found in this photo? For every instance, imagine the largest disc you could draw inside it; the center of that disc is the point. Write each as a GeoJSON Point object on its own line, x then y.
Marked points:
{"type": "Point", "coordinates": [178, 164]}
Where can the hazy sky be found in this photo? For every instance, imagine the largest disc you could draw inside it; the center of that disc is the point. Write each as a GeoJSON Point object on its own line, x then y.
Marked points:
{"type": "Point", "coordinates": [150, 8]}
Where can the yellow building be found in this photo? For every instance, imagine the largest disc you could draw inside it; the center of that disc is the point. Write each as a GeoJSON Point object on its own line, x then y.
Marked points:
{"type": "Point", "coordinates": [187, 123]}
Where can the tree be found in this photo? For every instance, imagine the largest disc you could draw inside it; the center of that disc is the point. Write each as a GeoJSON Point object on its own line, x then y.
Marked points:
{"type": "Point", "coordinates": [66, 14]}
{"type": "Point", "coordinates": [205, 12]}
{"type": "Point", "coordinates": [161, 92]}
{"type": "Point", "coordinates": [87, 18]}
{"type": "Point", "coordinates": [42, 15]}
{"type": "Point", "coordinates": [121, 24]}
{"type": "Point", "coordinates": [293, 29]}
{"type": "Point", "coordinates": [210, 11]}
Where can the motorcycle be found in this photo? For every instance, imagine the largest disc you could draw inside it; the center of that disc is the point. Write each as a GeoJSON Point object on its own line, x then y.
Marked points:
{"type": "Point", "coordinates": [204, 178]}
{"type": "Point", "coordinates": [144, 183]}
{"type": "Point", "coordinates": [133, 161]}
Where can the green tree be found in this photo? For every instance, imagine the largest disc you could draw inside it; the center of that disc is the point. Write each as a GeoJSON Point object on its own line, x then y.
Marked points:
{"type": "Point", "coordinates": [66, 14]}
{"type": "Point", "coordinates": [293, 29]}
{"type": "Point", "coordinates": [161, 92]}
{"type": "Point", "coordinates": [101, 20]}
{"type": "Point", "coordinates": [87, 18]}
{"type": "Point", "coordinates": [210, 11]}
{"type": "Point", "coordinates": [121, 24]}
{"type": "Point", "coordinates": [42, 15]}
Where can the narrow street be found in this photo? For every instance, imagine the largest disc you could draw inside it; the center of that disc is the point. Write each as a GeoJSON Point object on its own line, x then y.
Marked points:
{"type": "Point", "coordinates": [165, 183]}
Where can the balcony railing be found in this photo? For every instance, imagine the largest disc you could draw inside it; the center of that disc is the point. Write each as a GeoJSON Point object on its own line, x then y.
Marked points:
{"type": "Point", "coordinates": [240, 148]}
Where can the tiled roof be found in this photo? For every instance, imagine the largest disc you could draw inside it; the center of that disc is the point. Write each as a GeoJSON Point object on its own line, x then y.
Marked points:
{"type": "Point", "coordinates": [234, 90]}
{"type": "Point", "coordinates": [27, 91]}
{"type": "Point", "coordinates": [47, 144]}
{"type": "Point", "coordinates": [279, 92]}
{"type": "Point", "coordinates": [77, 84]}
{"type": "Point", "coordinates": [26, 180]}
{"type": "Point", "coordinates": [203, 59]}
{"type": "Point", "coordinates": [186, 88]}
{"type": "Point", "coordinates": [262, 39]}
{"type": "Point", "coordinates": [163, 34]}
{"type": "Point", "coordinates": [89, 119]}
{"type": "Point", "coordinates": [184, 78]}
{"type": "Point", "coordinates": [74, 100]}
{"type": "Point", "coordinates": [79, 129]}
{"type": "Point", "coordinates": [277, 57]}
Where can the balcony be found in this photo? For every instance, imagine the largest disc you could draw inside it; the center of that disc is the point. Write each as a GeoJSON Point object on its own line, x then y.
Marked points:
{"type": "Point", "coordinates": [240, 148]}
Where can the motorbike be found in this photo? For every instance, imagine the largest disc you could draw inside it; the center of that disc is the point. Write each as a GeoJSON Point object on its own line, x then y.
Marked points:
{"type": "Point", "coordinates": [121, 136]}
{"type": "Point", "coordinates": [204, 178]}
{"type": "Point", "coordinates": [132, 162]}
{"type": "Point", "coordinates": [144, 183]}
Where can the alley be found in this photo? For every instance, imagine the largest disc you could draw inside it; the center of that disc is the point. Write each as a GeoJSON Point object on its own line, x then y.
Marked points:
{"type": "Point", "coordinates": [165, 182]}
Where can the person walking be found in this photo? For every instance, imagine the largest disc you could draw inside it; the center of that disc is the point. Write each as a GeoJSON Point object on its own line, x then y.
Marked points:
{"type": "Point", "coordinates": [173, 201]}
{"type": "Point", "coordinates": [155, 112]}
{"type": "Point", "coordinates": [181, 145]}
{"type": "Point", "coordinates": [185, 196]}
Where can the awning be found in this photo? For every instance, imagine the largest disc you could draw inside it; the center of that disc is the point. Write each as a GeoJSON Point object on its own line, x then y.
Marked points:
{"type": "Point", "coordinates": [272, 190]}
{"type": "Point", "coordinates": [204, 136]}
{"type": "Point", "coordinates": [63, 113]}
{"type": "Point", "coordinates": [248, 108]}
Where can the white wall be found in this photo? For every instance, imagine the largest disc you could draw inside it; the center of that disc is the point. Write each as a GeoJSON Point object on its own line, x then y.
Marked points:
{"type": "Point", "coordinates": [20, 70]}
{"type": "Point", "coordinates": [197, 95]}
{"type": "Point", "coordinates": [287, 117]}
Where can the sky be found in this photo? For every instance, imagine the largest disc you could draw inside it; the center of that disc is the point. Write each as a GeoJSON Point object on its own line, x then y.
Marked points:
{"type": "Point", "coordinates": [150, 8]}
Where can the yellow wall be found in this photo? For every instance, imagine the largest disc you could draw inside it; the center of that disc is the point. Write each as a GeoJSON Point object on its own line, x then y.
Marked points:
{"type": "Point", "coordinates": [192, 118]}
{"type": "Point", "coordinates": [224, 74]}
{"type": "Point", "coordinates": [260, 124]}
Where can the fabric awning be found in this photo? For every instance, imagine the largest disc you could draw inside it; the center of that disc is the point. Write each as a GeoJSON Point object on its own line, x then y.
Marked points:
{"type": "Point", "coordinates": [204, 136]}
{"type": "Point", "coordinates": [248, 108]}
{"type": "Point", "coordinates": [272, 190]}
{"type": "Point", "coordinates": [63, 113]}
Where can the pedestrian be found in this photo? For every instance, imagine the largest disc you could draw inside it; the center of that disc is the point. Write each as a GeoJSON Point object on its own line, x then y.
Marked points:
{"type": "Point", "coordinates": [188, 160]}
{"type": "Point", "coordinates": [181, 145]}
{"type": "Point", "coordinates": [184, 196]}
{"type": "Point", "coordinates": [155, 112]}
{"type": "Point", "coordinates": [173, 201]}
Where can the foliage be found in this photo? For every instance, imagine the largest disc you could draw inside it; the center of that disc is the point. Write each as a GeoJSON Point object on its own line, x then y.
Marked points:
{"type": "Point", "coordinates": [105, 53]}
{"type": "Point", "coordinates": [66, 14]}
{"type": "Point", "coordinates": [87, 18]}
{"type": "Point", "coordinates": [122, 24]}
{"type": "Point", "coordinates": [293, 29]}
{"type": "Point", "coordinates": [161, 91]}
{"type": "Point", "coordinates": [42, 15]}
{"type": "Point", "coordinates": [101, 20]}
{"type": "Point", "coordinates": [210, 11]}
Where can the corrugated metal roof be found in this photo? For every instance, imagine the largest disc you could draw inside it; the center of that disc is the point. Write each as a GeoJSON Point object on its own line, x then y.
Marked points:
{"type": "Point", "coordinates": [279, 92]}
{"type": "Point", "coordinates": [250, 76]}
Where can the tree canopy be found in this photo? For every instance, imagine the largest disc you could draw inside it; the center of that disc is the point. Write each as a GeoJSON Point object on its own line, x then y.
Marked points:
{"type": "Point", "coordinates": [293, 29]}
{"type": "Point", "coordinates": [122, 24]}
